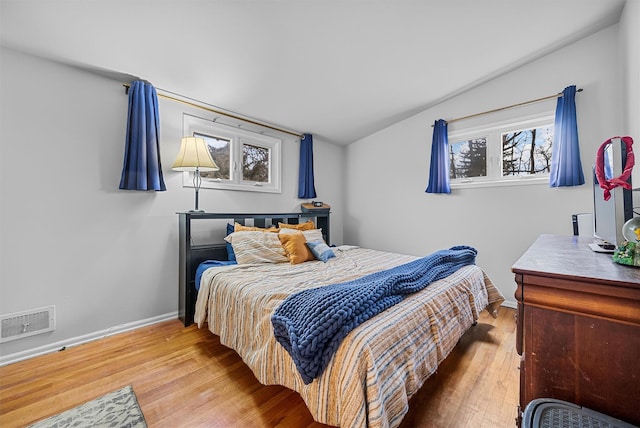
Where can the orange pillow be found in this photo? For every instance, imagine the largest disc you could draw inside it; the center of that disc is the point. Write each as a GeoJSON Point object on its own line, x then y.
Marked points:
{"type": "Point", "coordinates": [240, 228]}
{"type": "Point", "coordinates": [295, 246]}
{"type": "Point", "coordinates": [308, 225]}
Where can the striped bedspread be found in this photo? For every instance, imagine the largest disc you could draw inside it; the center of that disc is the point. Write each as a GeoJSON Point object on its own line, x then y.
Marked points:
{"type": "Point", "coordinates": [379, 365]}
{"type": "Point", "coordinates": [312, 323]}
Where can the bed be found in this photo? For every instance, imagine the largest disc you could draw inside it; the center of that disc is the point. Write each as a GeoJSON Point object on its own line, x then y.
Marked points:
{"type": "Point", "coordinates": [379, 364]}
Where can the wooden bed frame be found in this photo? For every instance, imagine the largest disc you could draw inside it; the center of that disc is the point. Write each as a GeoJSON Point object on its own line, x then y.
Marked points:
{"type": "Point", "coordinates": [190, 255]}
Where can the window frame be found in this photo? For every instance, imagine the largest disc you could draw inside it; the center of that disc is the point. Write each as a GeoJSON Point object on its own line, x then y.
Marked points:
{"type": "Point", "coordinates": [493, 133]}
{"type": "Point", "coordinates": [238, 138]}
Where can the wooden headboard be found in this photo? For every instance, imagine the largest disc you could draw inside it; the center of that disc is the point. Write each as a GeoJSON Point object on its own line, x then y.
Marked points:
{"type": "Point", "coordinates": [191, 255]}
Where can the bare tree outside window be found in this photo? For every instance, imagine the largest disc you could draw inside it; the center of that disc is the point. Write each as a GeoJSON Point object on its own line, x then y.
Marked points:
{"type": "Point", "coordinates": [255, 163]}
{"type": "Point", "coordinates": [220, 151]}
{"type": "Point", "coordinates": [527, 152]}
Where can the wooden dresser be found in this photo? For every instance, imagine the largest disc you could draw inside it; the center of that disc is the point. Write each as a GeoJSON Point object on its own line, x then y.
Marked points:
{"type": "Point", "coordinates": [578, 329]}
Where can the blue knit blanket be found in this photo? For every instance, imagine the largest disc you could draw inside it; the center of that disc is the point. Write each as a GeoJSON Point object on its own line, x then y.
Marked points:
{"type": "Point", "coordinates": [311, 324]}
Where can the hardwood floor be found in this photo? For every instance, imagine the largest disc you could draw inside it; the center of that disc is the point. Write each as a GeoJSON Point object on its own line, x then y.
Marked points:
{"type": "Point", "coordinates": [184, 377]}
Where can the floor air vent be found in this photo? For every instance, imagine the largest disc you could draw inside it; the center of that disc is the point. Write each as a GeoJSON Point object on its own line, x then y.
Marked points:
{"type": "Point", "coordinates": [27, 323]}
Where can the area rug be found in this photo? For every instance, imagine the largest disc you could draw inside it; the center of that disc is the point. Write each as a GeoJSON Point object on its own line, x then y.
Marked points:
{"type": "Point", "coordinates": [117, 409]}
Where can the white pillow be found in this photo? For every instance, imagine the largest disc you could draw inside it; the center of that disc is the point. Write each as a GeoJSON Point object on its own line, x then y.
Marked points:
{"type": "Point", "coordinates": [257, 247]}
{"type": "Point", "coordinates": [310, 235]}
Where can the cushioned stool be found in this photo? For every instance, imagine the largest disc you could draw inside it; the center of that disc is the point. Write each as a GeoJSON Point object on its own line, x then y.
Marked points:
{"type": "Point", "coordinates": [551, 413]}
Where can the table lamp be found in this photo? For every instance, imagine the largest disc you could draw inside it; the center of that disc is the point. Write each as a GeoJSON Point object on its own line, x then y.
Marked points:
{"type": "Point", "coordinates": [194, 156]}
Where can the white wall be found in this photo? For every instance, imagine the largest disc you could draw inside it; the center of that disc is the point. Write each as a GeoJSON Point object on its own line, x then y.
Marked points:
{"type": "Point", "coordinates": [386, 204]}
{"type": "Point", "coordinates": [69, 237]}
{"type": "Point", "coordinates": [630, 76]}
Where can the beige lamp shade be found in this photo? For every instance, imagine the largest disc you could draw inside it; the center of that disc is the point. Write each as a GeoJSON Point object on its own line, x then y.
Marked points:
{"type": "Point", "coordinates": [194, 155]}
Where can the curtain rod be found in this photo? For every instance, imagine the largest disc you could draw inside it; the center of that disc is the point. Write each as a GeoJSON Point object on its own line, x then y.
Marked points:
{"type": "Point", "coordinates": [211, 110]}
{"type": "Point", "coordinates": [508, 107]}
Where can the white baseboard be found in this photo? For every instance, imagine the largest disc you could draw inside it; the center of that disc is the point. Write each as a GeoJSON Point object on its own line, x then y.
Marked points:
{"type": "Point", "coordinates": [75, 341]}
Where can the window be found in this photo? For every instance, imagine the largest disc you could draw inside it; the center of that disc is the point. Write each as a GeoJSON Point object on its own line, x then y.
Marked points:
{"type": "Point", "coordinates": [468, 158]}
{"type": "Point", "coordinates": [527, 151]}
{"type": "Point", "coordinates": [502, 154]}
{"type": "Point", "coordinates": [220, 150]}
{"type": "Point", "coordinates": [247, 160]}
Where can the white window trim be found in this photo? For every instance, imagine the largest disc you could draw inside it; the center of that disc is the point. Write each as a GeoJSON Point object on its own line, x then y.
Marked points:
{"type": "Point", "coordinates": [238, 137]}
{"type": "Point", "coordinates": [494, 154]}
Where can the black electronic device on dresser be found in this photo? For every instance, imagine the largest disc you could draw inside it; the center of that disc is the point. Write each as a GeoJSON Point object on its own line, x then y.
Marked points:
{"type": "Point", "coordinates": [191, 255]}
{"type": "Point", "coordinates": [609, 216]}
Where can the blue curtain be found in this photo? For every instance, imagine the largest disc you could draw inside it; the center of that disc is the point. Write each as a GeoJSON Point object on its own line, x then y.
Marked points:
{"type": "Point", "coordinates": [566, 168]}
{"type": "Point", "coordinates": [439, 168]}
{"type": "Point", "coordinates": [306, 186]}
{"type": "Point", "coordinates": [142, 169]}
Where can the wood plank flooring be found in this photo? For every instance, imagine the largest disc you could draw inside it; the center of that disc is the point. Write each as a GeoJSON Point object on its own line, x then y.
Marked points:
{"type": "Point", "coordinates": [184, 377]}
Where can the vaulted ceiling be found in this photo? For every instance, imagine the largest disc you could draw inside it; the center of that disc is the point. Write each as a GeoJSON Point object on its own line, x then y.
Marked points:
{"type": "Point", "coordinates": [339, 69]}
